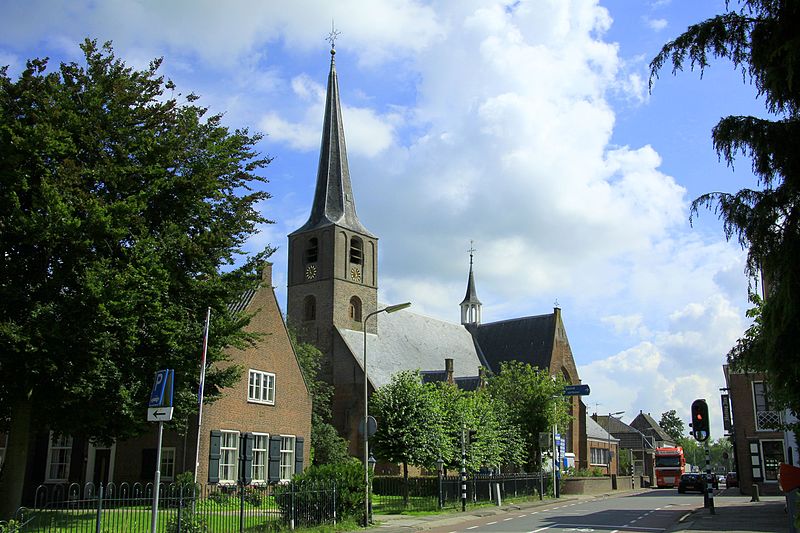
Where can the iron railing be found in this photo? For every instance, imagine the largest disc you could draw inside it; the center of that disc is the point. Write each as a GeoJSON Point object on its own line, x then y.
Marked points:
{"type": "Point", "coordinates": [181, 508]}
{"type": "Point", "coordinates": [392, 494]}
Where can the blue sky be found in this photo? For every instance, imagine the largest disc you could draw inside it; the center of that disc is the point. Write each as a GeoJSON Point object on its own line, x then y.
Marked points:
{"type": "Point", "coordinates": [525, 126]}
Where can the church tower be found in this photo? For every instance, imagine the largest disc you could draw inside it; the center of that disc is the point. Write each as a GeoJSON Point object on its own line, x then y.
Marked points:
{"type": "Point", "coordinates": [333, 269]}
{"type": "Point", "coordinates": [471, 306]}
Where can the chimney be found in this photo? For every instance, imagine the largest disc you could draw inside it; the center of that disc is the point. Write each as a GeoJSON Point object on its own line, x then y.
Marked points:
{"type": "Point", "coordinates": [266, 274]}
{"type": "Point", "coordinates": [481, 377]}
{"type": "Point", "coordinates": [448, 371]}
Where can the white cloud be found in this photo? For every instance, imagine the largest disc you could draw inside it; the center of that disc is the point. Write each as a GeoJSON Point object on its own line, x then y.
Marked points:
{"type": "Point", "coordinates": [297, 135]}
{"type": "Point", "coordinates": [670, 368]}
{"type": "Point", "coordinates": [464, 120]}
{"type": "Point", "coordinates": [656, 24]}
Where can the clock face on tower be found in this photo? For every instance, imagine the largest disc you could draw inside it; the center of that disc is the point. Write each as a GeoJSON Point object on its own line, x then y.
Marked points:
{"type": "Point", "coordinates": [311, 272]}
{"type": "Point", "coordinates": [355, 274]}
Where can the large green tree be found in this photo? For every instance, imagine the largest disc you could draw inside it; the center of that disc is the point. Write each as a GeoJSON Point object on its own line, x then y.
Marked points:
{"type": "Point", "coordinates": [410, 422]}
{"type": "Point", "coordinates": [672, 424]}
{"type": "Point", "coordinates": [760, 38]}
{"type": "Point", "coordinates": [123, 208]}
{"type": "Point", "coordinates": [533, 401]}
{"type": "Point", "coordinates": [494, 441]}
{"type": "Point", "coordinates": [327, 447]}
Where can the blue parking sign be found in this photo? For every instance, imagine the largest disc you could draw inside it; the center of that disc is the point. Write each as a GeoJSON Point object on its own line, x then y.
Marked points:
{"type": "Point", "coordinates": [161, 396]}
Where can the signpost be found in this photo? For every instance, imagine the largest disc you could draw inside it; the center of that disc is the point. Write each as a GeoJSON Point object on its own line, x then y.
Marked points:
{"type": "Point", "coordinates": [576, 390]}
{"type": "Point", "coordinates": [160, 410]}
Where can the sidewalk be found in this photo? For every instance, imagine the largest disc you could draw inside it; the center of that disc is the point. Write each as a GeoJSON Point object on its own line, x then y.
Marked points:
{"type": "Point", "coordinates": [738, 514]}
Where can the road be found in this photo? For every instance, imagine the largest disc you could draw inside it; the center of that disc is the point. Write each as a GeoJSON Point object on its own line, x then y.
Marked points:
{"type": "Point", "coordinates": [649, 512]}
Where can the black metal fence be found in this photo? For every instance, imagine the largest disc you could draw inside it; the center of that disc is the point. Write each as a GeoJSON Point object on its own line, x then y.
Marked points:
{"type": "Point", "coordinates": [181, 508]}
{"type": "Point", "coordinates": [393, 494]}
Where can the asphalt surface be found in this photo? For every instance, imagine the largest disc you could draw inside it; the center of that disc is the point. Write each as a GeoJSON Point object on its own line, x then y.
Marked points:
{"type": "Point", "coordinates": [608, 512]}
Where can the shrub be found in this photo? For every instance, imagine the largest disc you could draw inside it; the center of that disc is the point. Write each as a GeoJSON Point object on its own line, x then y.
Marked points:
{"type": "Point", "coordinates": [311, 493]}
{"type": "Point", "coordinates": [190, 523]}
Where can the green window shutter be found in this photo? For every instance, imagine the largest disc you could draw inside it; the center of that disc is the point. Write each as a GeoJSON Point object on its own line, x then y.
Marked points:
{"type": "Point", "coordinates": [148, 464]}
{"type": "Point", "coordinates": [274, 468]}
{"type": "Point", "coordinates": [213, 456]}
{"type": "Point", "coordinates": [298, 455]}
{"type": "Point", "coordinates": [246, 458]}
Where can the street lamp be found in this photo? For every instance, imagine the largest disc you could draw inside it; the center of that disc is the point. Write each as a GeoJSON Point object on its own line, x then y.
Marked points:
{"type": "Point", "coordinates": [387, 309]}
{"type": "Point", "coordinates": [440, 473]}
{"type": "Point", "coordinates": [608, 432]}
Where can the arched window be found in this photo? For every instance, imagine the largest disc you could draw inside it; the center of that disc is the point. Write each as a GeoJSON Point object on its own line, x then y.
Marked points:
{"type": "Point", "coordinates": [310, 308]}
{"type": "Point", "coordinates": [356, 251]}
{"type": "Point", "coordinates": [312, 250]}
{"type": "Point", "coordinates": [355, 309]}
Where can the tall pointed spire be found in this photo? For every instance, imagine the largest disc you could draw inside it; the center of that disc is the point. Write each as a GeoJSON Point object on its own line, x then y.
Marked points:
{"type": "Point", "coordinates": [471, 305]}
{"type": "Point", "coordinates": [333, 197]}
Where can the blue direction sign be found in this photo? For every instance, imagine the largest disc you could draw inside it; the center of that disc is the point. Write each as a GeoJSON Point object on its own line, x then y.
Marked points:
{"type": "Point", "coordinates": [576, 390]}
{"type": "Point", "coordinates": [162, 389]}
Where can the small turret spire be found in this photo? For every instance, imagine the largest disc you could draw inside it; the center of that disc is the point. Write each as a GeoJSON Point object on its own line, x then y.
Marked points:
{"type": "Point", "coordinates": [471, 305]}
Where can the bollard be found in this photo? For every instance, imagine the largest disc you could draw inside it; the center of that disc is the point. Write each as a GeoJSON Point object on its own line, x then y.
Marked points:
{"type": "Point", "coordinates": [755, 497]}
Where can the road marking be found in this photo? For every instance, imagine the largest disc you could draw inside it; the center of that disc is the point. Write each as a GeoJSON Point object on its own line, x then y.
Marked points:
{"type": "Point", "coordinates": [473, 527]}
{"type": "Point", "coordinates": [491, 523]}
{"type": "Point", "coordinates": [522, 516]}
{"type": "Point", "coordinates": [604, 526]}
{"type": "Point", "coordinates": [507, 519]}
{"type": "Point", "coordinates": [540, 529]}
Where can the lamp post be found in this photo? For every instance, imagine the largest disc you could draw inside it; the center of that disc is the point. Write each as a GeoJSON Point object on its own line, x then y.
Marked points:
{"type": "Point", "coordinates": [387, 309]}
{"type": "Point", "coordinates": [440, 471]}
{"type": "Point", "coordinates": [608, 432]}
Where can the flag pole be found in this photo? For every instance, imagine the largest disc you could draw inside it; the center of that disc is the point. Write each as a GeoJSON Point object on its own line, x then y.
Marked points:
{"type": "Point", "coordinates": [200, 394]}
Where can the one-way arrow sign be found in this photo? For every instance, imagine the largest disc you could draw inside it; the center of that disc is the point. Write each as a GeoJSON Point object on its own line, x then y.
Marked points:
{"type": "Point", "coordinates": [159, 414]}
{"type": "Point", "coordinates": [576, 390]}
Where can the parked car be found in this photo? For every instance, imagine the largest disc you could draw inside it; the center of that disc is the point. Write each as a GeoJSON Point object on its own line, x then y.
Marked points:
{"type": "Point", "coordinates": [692, 482]}
{"type": "Point", "coordinates": [731, 480]}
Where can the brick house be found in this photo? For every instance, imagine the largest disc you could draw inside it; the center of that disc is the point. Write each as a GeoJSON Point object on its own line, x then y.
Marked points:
{"type": "Point", "coordinates": [602, 449]}
{"type": "Point", "coordinates": [639, 447]}
{"type": "Point", "coordinates": [271, 402]}
{"type": "Point", "coordinates": [758, 443]}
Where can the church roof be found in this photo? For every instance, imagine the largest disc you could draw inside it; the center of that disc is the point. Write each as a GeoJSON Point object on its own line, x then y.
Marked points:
{"type": "Point", "coordinates": [333, 198]}
{"type": "Point", "coordinates": [409, 341]}
{"type": "Point", "coordinates": [527, 339]}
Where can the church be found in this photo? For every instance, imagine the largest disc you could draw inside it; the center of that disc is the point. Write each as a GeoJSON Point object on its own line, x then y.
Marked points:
{"type": "Point", "coordinates": [333, 287]}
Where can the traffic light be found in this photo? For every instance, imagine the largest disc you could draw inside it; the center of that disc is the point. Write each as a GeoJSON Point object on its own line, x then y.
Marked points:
{"type": "Point", "coordinates": [700, 424]}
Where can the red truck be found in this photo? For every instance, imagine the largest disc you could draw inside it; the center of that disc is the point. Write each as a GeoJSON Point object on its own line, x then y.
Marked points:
{"type": "Point", "coordinates": [670, 465]}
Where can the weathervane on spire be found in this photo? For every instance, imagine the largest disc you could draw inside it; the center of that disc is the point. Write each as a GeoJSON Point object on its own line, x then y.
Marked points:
{"type": "Point", "coordinates": [331, 38]}
{"type": "Point", "coordinates": [471, 250]}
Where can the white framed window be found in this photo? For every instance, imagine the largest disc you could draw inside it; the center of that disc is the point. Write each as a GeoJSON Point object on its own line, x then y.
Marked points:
{"type": "Point", "coordinates": [261, 387]}
{"type": "Point", "coordinates": [287, 457]}
{"type": "Point", "coordinates": [167, 467]}
{"type": "Point", "coordinates": [260, 457]}
{"type": "Point", "coordinates": [599, 456]}
{"type": "Point", "coordinates": [772, 452]}
{"type": "Point", "coordinates": [59, 454]}
{"type": "Point", "coordinates": [228, 456]}
{"type": "Point", "coordinates": [767, 419]}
